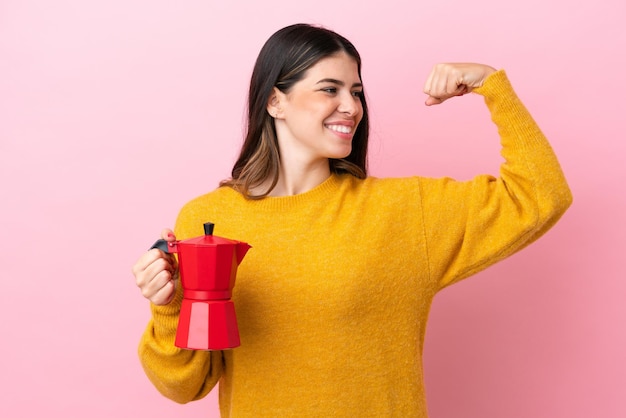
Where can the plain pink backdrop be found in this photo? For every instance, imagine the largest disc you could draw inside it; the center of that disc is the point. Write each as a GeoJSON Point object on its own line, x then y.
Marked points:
{"type": "Point", "coordinates": [113, 114]}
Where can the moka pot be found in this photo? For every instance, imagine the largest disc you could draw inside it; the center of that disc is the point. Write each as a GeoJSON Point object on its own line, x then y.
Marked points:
{"type": "Point", "coordinates": [208, 267]}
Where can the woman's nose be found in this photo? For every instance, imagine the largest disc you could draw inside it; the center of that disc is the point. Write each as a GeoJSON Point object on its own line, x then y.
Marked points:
{"type": "Point", "coordinates": [349, 105]}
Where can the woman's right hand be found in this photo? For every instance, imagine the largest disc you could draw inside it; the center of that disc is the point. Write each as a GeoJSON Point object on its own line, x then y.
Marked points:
{"type": "Point", "coordinates": [156, 273]}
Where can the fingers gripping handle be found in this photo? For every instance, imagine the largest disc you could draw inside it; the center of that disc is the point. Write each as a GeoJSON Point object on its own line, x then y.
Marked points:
{"type": "Point", "coordinates": [164, 246]}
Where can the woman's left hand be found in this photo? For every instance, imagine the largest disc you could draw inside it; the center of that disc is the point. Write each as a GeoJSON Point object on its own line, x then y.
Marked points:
{"type": "Point", "coordinates": [451, 79]}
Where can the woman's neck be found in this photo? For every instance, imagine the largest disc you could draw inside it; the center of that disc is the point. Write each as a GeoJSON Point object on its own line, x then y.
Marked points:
{"type": "Point", "coordinates": [300, 178]}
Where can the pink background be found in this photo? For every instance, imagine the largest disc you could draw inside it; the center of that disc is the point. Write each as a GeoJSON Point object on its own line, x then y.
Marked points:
{"type": "Point", "coordinates": [113, 114]}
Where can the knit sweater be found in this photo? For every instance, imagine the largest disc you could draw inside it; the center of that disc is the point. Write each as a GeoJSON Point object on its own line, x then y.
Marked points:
{"type": "Point", "coordinates": [333, 298]}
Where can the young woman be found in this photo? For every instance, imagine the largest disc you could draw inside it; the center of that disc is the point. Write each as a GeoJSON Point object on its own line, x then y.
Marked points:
{"type": "Point", "coordinates": [333, 299]}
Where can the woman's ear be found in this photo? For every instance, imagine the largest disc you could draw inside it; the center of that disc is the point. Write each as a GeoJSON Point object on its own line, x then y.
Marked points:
{"type": "Point", "coordinates": [274, 104]}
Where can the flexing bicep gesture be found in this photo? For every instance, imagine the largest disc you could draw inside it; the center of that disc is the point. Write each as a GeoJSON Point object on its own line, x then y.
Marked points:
{"type": "Point", "coordinates": [454, 79]}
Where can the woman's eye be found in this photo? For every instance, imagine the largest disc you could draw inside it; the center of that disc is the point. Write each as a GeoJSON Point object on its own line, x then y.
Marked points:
{"type": "Point", "coordinates": [330, 90]}
{"type": "Point", "coordinates": [357, 93]}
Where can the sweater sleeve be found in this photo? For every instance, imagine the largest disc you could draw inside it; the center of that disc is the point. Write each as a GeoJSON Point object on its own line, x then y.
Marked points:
{"type": "Point", "coordinates": [178, 374]}
{"type": "Point", "coordinates": [474, 224]}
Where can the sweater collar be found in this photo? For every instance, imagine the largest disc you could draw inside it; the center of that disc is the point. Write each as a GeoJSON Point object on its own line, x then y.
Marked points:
{"type": "Point", "coordinates": [320, 193]}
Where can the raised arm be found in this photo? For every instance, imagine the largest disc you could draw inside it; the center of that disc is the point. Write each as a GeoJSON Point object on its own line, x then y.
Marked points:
{"type": "Point", "coordinates": [471, 225]}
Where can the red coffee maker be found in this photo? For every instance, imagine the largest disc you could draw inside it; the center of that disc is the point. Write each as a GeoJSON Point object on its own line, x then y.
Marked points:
{"type": "Point", "coordinates": [208, 267]}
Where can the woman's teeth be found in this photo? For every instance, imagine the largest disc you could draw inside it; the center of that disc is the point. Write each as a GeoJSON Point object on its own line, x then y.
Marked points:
{"type": "Point", "coordinates": [340, 128]}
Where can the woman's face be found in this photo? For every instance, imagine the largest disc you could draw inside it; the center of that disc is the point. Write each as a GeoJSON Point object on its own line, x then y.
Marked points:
{"type": "Point", "coordinates": [317, 118]}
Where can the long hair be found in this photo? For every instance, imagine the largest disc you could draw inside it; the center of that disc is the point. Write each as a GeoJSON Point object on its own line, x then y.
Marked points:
{"type": "Point", "coordinates": [282, 62]}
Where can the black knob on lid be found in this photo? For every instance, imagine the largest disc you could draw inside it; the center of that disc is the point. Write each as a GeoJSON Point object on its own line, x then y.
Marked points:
{"type": "Point", "coordinates": [208, 228]}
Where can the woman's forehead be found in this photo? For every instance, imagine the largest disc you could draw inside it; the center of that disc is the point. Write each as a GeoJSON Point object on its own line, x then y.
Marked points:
{"type": "Point", "coordinates": [340, 66]}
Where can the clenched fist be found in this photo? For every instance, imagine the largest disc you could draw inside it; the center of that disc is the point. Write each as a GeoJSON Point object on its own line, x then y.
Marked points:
{"type": "Point", "coordinates": [454, 79]}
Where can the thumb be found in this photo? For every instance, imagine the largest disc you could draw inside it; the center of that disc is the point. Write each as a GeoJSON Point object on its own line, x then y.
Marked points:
{"type": "Point", "coordinates": [460, 91]}
{"type": "Point", "coordinates": [168, 235]}
{"type": "Point", "coordinates": [430, 101]}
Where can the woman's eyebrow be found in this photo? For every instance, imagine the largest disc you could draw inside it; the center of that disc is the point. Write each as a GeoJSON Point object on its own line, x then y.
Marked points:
{"type": "Point", "coordinates": [338, 82]}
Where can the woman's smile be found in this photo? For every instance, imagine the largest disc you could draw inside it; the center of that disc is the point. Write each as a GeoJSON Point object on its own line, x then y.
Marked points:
{"type": "Point", "coordinates": [341, 127]}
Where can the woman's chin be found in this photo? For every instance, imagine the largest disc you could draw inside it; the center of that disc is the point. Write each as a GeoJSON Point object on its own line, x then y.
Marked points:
{"type": "Point", "coordinates": [341, 153]}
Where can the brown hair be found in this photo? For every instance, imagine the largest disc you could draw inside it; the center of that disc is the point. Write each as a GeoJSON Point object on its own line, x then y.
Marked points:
{"type": "Point", "coordinates": [282, 62]}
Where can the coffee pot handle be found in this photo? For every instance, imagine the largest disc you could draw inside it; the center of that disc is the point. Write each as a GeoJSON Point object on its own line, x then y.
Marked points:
{"type": "Point", "coordinates": [165, 246]}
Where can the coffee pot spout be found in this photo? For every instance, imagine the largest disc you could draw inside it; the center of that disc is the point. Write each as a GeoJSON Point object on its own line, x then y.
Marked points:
{"type": "Point", "coordinates": [241, 250]}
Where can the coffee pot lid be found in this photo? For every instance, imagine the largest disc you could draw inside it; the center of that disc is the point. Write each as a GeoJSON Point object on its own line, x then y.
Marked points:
{"type": "Point", "coordinates": [208, 239]}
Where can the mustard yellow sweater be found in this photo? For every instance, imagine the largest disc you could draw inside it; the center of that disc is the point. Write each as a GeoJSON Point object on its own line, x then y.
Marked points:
{"type": "Point", "coordinates": [333, 298]}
